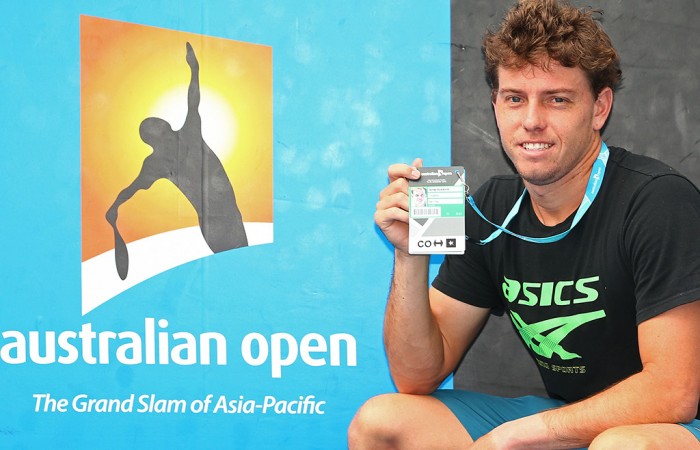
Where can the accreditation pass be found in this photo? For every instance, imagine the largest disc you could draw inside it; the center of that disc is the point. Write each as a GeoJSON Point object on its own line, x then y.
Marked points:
{"type": "Point", "coordinates": [436, 211]}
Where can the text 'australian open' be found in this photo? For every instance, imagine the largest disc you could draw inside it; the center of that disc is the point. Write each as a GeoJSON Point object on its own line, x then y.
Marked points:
{"type": "Point", "coordinates": [155, 344]}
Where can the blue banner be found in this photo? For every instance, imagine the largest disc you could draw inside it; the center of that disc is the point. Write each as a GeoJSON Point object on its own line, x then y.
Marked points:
{"type": "Point", "coordinates": [190, 259]}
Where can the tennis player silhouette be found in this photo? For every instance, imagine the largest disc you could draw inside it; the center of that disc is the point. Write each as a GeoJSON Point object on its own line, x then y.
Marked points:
{"type": "Point", "coordinates": [184, 158]}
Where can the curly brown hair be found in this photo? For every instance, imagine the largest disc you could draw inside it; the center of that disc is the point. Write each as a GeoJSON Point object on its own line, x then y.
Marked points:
{"type": "Point", "coordinates": [537, 32]}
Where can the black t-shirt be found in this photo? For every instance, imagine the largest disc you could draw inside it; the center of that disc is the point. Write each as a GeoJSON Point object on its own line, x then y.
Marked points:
{"type": "Point", "coordinates": [576, 303]}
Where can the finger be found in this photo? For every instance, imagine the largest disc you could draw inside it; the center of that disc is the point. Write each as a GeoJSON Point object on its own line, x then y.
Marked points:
{"type": "Point", "coordinates": [396, 200]}
{"type": "Point", "coordinates": [384, 218]}
{"type": "Point", "coordinates": [400, 185]}
{"type": "Point", "coordinates": [403, 171]}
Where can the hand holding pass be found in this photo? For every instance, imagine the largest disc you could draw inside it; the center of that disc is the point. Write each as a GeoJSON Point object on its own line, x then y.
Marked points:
{"type": "Point", "coordinates": [391, 215]}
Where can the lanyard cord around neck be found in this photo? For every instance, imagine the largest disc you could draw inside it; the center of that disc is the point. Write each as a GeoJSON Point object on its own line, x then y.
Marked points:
{"type": "Point", "coordinates": [595, 180]}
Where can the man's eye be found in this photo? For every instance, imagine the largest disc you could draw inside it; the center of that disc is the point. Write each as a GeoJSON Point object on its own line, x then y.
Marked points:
{"type": "Point", "coordinates": [559, 100]}
{"type": "Point", "coordinates": [514, 99]}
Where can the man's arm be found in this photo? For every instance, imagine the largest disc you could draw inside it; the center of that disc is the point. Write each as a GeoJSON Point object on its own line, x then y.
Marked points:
{"type": "Point", "coordinates": [425, 332]}
{"type": "Point", "coordinates": [665, 391]}
{"type": "Point", "coordinates": [144, 180]}
{"type": "Point", "coordinates": [193, 91]}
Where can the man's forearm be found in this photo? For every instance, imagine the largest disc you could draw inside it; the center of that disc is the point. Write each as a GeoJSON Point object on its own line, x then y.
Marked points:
{"type": "Point", "coordinates": [638, 399]}
{"type": "Point", "coordinates": [641, 398]}
{"type": "Point", "coordinates": [413, 342]}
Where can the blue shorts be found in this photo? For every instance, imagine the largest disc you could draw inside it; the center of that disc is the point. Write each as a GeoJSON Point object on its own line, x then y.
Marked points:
{"type": "Point", "coordinates": [481, 413]}
{"type": "Point", "coordinates": [693, 427]}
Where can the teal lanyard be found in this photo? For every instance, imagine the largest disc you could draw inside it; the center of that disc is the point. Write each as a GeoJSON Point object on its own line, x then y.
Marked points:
{"type": "Point", "coordinates": [594, 183]}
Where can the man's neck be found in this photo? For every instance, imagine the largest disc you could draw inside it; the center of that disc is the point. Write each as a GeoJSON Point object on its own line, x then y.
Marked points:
{"type": "Point", "coordinates": [555, 202]}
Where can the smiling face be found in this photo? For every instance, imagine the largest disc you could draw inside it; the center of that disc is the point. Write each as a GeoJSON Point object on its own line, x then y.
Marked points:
{"type": "Point", "coordinates": [549, 121]}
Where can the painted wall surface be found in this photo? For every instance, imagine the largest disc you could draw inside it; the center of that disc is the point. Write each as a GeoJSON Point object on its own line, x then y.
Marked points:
{"type": "Point", "coordinates": [270, 345]}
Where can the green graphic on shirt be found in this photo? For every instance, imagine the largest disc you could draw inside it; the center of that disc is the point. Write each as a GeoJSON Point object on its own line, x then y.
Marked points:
{"type": "Point", "coordinates": [557, 329]}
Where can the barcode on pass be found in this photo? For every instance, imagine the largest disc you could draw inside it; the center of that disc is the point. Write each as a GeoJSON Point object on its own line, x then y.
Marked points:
{"type": "Point", "coordinates": [426, 212]}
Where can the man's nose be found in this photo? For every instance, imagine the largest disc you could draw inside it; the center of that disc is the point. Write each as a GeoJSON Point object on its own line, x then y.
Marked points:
{"type": "Point", "coordinates": [535, 117]}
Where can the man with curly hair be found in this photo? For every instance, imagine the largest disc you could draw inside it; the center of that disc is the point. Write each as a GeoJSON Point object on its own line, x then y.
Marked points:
{"type": "Point", "coordinates": [597, 264]}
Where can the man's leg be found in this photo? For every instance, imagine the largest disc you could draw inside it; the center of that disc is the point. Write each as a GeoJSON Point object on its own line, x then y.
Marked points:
{"type": "Point", "coordinates": [652, 436]}
{"type": "Point", "coordinates": [403, 421]}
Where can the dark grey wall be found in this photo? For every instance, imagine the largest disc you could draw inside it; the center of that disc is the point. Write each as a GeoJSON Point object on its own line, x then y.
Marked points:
{"type": "Point", "coordinates": [657, 113]}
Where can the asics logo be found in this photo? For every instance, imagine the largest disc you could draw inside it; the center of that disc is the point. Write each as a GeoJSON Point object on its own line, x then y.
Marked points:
{"type": "Point", "coordinates": [550, 293]}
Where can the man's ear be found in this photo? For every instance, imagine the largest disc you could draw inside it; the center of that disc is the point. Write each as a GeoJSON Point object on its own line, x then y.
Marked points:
{"type": "Point", "coordinates": [602, 108]}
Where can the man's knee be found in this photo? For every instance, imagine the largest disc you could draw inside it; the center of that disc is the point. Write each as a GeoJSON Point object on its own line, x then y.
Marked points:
{"type": "Point", "coordinates": [406, 421]}
{"type": "Point", "coordinates": [615, 438]}
{"type": "Point", "coordinates": [642, 437]}
{"type": "Point", "coordinates": [376, 424]}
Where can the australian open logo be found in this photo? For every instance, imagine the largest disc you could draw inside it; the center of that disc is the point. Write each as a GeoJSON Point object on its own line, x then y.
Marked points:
{"type": "Point", "coordinates": [174, 128]}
